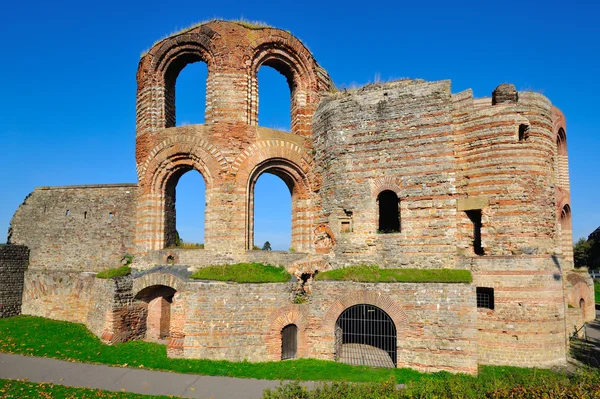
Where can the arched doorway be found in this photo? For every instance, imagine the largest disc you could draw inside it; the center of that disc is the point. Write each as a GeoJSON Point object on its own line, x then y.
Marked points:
{"type": "Point", "coordinates": [157, 315]}
{"type": "Point", "coordinates": [365, 335]}
{"type": "Point", "coordinates": [289, 342]}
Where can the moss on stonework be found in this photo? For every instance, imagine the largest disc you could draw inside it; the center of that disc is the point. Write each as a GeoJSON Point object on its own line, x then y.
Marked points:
{"type": "Point", "coordinates": [242, 22]}
{"type": "Point", "coordinates": [244, 273]}
{"type": "Point", "coordinates": [115, 272]}
{"type": "Point", "coordinates": [375, 274]}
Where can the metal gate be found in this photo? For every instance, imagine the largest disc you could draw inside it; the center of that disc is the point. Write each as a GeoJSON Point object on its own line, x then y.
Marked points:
{"type": "Point", "coordinates": [289, 342]}
{"type": "Point", "coordinates": [368, 337]}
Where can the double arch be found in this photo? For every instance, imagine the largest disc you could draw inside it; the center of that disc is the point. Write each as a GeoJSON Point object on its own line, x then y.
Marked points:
{"type": "Point", "coordinates": [233, 59]}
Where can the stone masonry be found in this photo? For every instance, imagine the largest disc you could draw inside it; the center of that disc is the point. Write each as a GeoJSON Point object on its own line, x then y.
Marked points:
{"type": "Point", "coordinates": [404, 174]}
{"type": "Point", "coordinates": [13, 263]}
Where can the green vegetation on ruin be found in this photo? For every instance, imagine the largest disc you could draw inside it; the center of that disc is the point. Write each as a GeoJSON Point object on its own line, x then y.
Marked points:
{"type": "Point", "coordinates": [244, 273]}
{"type": "Point", "coordinates": [375, 274]}
{"type": "Point", "coordinates": [188, 245]}
{"type": "Point", "coordinates": [36, 336]}
{"type": "Point", "coordinates": [30, 390]}
{"type": "Point", "coordinates": [115, 272]}
{"type": "Point", "coordinates": [243, 22]}
{"type": "Point", "coordinates": [492, 382]}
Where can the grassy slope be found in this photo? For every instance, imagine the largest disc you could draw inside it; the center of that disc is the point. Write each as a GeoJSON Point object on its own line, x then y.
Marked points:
{"type": "Point", "coordinates": [29, 390]}
{"type": "Point", "coordinates": [37, 336]}
{"type": "Point", "coordinates": [374, 274]}
{"type": "Point", "coordinates": [244, 273]}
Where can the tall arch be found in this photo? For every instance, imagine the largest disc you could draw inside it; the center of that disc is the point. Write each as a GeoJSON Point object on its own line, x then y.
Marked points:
{"type": "Point", "coordinates": [561, 167]}
{"type": "Point", "coordinates": [164, 167]}
{"type": "Point", "coordinates": [157, 74]}
{"type": "Point", "coordinates": [296, 181]}
{"type": "Point", "coordinates": [288, 56]}
{"type": "Point", "coordinates": [565, 234]}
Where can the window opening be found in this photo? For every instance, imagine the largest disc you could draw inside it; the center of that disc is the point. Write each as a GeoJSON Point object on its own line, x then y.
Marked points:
{"type": "Point", "coordinates": [485, 297]}
{"type": "Point", "coordinates": [273, 99]}
{"type": "Point", "coordinates": [68, 213]}
{"type": "Point", "coordinates": [389, 214]}
{"type": "Point", "coordinates": [475, 217]}
{"type": "Point", "coordinates": [185, 207]}
{"type": "Point", "coordinates": [272, 212]}
{"type": "Point", "coordinates": [523, 132]}
{"type": "Point", "coordinates": [190, 94]}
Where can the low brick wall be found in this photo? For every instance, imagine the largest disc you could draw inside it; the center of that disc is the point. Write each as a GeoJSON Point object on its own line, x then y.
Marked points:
{"type": "Point", "coordinates": [13, 263]}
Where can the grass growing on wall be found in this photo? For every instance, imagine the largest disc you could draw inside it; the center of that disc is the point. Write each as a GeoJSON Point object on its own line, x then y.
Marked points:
{"type": "Point", "coordinates": [36, 336]}
{"type": "Point", "coordinates": [244, 273]}
{"type": "Point", "coordinates": [115, 272]}
{"type": "Point", "coordinates": [375, 274]}
{"type": "Point", "coordinates": [30, 390]}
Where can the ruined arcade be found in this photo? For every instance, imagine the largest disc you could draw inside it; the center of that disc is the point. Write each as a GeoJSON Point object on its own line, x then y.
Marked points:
{"type": "Point", "coordinates": [403, 174]}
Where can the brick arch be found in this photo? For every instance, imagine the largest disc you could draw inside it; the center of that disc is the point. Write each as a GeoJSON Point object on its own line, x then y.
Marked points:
{"type": "Point", "coordinates": [158, 279]}
{"type": "Point", "coordinates": [170, 147]}
{"type": "Point", "coordinates": [158, 71]}
{"type": "Point", "coordinates": [283, 316]}
{"type": "Point", "coordinates": [263, 150]}
{"type": "Point", "coordinates": [386, 183]}
{"type": "Point", "coordinates": [287, 161]}
{"type": "Point", "coordinates": [306, 79]}
{"type": "Point", "coordinates": [165, 165]}
{"type": "Point", "coordinates": [382, 301]}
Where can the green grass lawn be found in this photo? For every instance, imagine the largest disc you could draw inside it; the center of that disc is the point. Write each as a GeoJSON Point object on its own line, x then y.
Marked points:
{"type": "Point", "coordinates": [374, 274]}
{"type": "Point", "coordinates": [115, 272]}
{"type": "Point", "coordinates": [30, 390]}
{"type": "Point", "coordinates": [36, 336]}
{"type": "Point", "coordinates": [244, 273]}
{"type": "Point", "coordinates": [597, 291]}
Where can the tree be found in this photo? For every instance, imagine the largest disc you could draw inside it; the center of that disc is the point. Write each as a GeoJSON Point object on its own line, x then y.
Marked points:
{"type": "Point", "coordinates": [582, 251]}
{"type": "Point", "coordinates": [267, 246]}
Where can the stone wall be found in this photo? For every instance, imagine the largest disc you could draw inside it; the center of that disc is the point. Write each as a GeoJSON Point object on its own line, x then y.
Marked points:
{"type": "Point", "coordinates": [13, 263]}
{"type": "Point", "coordinates": [229, 321]}
{"type": "Point", "coordinates": [397, 137]}
{"type": "Point", "coordinates": [527, 325]}
{"type": "Point", "coordinates": [79, 228]}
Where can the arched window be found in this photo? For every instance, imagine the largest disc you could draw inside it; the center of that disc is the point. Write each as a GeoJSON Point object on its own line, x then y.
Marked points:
{"type": "Point", "coordinates": [185, 207]}
{"type": "Point", "coordinates": [273, 99]}
{"type": "Point", "coordinates": [562, 161]}
{"type": "Point", "coordinates": [272, 203]}
{"type": "Point", "coordinates": [190, 104]}
{"type": "Point", "coordinates": [289, 342]}
{"type": "Point", "coordinates": [365, 335]}
{"type": "Point", "coordinates": [389, 213]}
{"type": "Point", "coordinates": [565, 218]}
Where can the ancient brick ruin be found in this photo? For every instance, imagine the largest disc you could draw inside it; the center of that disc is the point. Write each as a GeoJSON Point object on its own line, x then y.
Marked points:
{"type": "Point", "coordinates": [399, 174]}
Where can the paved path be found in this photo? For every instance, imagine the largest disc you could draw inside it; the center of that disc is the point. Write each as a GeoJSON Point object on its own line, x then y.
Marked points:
{"type": "Point", "coordinates": [147, 382]}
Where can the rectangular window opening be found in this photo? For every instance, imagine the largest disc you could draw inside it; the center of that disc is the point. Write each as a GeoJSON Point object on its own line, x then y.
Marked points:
{"type": "Point", "coordinates": [475, 217]}
{"type": "Point", "coordinates": [485, 297]}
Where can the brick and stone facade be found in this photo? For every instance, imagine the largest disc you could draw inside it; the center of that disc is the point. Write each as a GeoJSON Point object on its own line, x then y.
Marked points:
{"type": "Point", "coordinates": [399, 174]}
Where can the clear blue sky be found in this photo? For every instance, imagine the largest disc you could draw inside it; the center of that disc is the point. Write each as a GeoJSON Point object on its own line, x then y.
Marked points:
{"type": "Point", "coordinates": [67, 103]}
